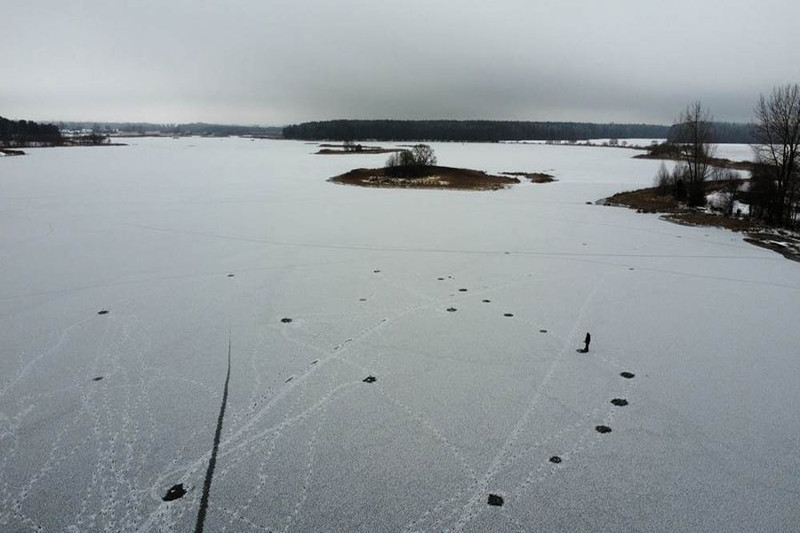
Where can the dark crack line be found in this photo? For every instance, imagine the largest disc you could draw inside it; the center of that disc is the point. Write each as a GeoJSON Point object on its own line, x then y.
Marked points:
{"type": "Point", "coordinates": [201, 514]}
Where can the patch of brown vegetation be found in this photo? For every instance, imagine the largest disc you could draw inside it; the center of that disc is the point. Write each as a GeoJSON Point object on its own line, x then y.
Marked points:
{"type": "Point", "coordinates": [534, 177]}
{"type": "Point", "coordinates": [644, 201]}
{"type": "Point", "coordinates": [650, 201]}
{"type": "Point", "coordinates": [433, 178]}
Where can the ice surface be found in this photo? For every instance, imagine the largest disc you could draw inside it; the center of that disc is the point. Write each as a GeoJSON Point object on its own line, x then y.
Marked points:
{"type": "Point", "coordinates": [735, 152]}
{"type": "Point", "coordinates": [465, 404]}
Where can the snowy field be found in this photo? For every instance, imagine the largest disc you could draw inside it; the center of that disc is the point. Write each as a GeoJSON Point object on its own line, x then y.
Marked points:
{"type": "Point", "coordinates": [200, 248]}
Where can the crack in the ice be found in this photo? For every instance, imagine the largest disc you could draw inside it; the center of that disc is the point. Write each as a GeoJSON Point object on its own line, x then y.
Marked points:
{"type": "Point", "coordinates": [212, 462]}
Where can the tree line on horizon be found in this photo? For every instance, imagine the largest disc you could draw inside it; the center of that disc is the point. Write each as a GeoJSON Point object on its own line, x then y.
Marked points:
{"type": "Point", "coordinates": [492, 131]}
{"type": "Point", "coordinates": [722, 132]}
{"type": "Point", "coordinates": [466, 130]}
{"type": "Point", "coordinates": [27, 133]}
{"type": "Point", "coordinates": [23, 133]}
{"type": "Point", "coordinates": [15, 133]}
{"type": "Point", "coordinates": [191, 128]}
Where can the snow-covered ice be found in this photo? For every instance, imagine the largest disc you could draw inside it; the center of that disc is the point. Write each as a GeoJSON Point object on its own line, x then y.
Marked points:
{"type": "Point", "coordinates": [735, 152]}
{"type": "Point", "coordinates": [190, 244]}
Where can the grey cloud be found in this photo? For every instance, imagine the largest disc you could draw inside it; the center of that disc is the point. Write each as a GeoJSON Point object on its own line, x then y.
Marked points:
{"type": "Point", "coordinates": [274, 62]}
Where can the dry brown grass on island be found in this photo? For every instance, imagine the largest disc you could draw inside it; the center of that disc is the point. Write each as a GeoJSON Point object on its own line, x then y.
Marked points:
{"type": "Point", "coordinates": [650, 201]}
{"type": "Point", "coordinates": [434, 177]}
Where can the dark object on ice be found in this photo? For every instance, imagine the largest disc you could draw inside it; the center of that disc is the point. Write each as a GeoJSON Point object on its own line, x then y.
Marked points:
{"type": "Point", "coordinates": [627, 375]}
{"type": "Point", "coordinates": [451, 309]}
{"type": "Point", "coordinates": [586, 341]}
{"type": "Point", "coordinates": [177, 491]}
{"type": "Point", "coordinates": [508, 314]}
{"type": "Point", "coordinates": [98, 378]}
{"type": "Point", "coordinates": [555, 459]}
{"type": "Point", "coordinates": [286, 320]}
{"type": "Point", "coordinates": [103, 312]}
{"type": "Point", "coordinates": [440, 279]}
{"type": "Point", "coordinates": [619, 402]}
{"type": "Point", "coordinates": [542, 331]}
{"type": "Point", "coordinates": [495, 500]}
{"type": "Point", "coordinates": [375, 271]}
{"type": "Point", "coordinates": [230, 275]}
{"type": "Point", "coordinates": [315, 361]}
{"type": "Point", "coordinates": [289, 379]}
{"type": "Point", "coordinates": [212, 461]}
{"type": "Point", "coordinates": [462, 290]}
{"type": "Point", "coordinates": [630, 268]}
{"type": "Point", "coordinates": [602, 429]}
{"type": "Point", "coordinates": [589, 203]}
{"type": "Point", "coordinates": [486, 301]}
{"type": "Point", "coordinates": [370, 379]}
{"type": "Point", "coordinates": [362, 299]}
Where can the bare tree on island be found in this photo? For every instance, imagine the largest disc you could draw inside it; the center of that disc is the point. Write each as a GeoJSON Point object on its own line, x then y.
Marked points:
{"type": "Point", "coordinates": [411, 163]}
{"type": "Point", "coordinates": [423, 155]}
{"type": "Point", "coordinates": [695, 132]}
{"type": "Point", "coordinates": [777, 133]}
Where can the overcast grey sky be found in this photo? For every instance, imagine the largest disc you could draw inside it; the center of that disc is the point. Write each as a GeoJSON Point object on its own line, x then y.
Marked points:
{"type": "Point", "coordinates": [274, 62]}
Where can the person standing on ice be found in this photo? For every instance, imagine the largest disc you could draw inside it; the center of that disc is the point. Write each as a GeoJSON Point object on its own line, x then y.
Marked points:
{"type": "Point", "coordinates": [586, 341]}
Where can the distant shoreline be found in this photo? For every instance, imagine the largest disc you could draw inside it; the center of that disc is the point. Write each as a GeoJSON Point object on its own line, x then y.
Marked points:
{"type": "Point", "coordinates": [15, 151]}
{"type": "Point", "coordinates": [719, 162]}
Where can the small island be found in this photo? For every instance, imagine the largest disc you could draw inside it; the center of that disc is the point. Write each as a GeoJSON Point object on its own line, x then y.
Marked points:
{"type": "Point", "coordinates": [533, 177]}
{"type": "Point", "coordinates": [436, 178]}
{"type": "Point", "coordinates": [416, 169]}
{"type": "Point", "coordinates": [351, 148]}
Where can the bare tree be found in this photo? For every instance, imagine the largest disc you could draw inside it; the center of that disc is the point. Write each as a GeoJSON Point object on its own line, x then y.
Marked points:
{"type": "Point", "coordinates": [411, 163]}
{"type": "Point", "coordinates": [694, 138]}
{"type": "Point", "coordinates": [777, 133]}
{"type": "Point", "coordinates": [663, 181]}
{"type": "Point", "coordinates": [400, 164]}
{"type": "Point", "coordinates": [423, 155]}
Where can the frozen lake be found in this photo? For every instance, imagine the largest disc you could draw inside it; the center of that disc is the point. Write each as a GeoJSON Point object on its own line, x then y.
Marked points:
{"type": "Point", "coordinates": [200, 248]}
